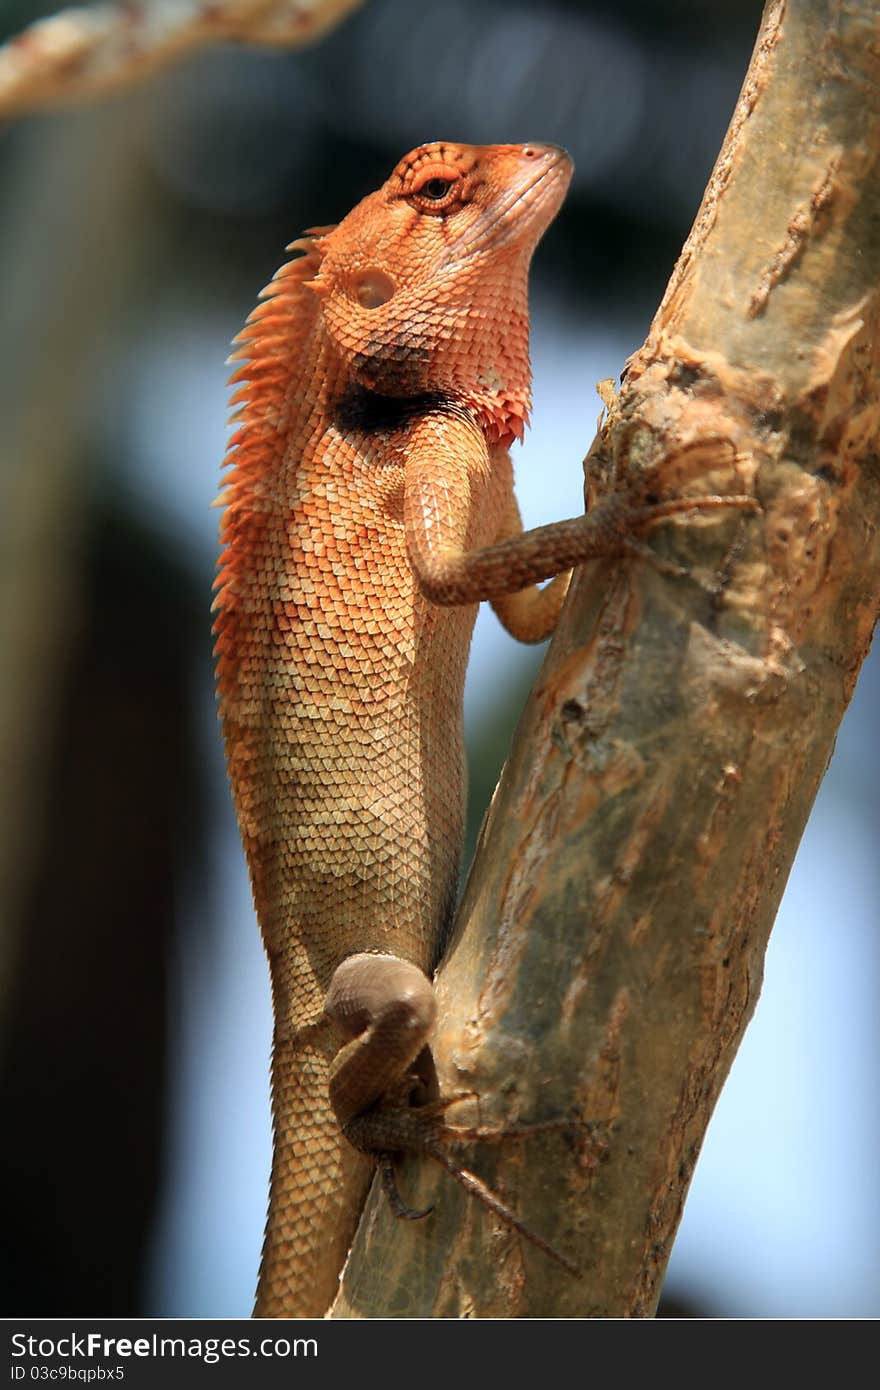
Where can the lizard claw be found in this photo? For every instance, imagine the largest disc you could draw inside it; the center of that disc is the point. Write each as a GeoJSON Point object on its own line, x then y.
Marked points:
{"type": "Point", "coordinates": [385, 1165]}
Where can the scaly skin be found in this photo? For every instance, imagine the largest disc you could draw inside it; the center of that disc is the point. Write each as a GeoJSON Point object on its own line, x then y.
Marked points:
{"type": "Point", "coordinates": [369, 509]}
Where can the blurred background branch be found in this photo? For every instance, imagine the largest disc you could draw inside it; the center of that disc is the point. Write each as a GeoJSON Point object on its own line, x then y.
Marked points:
{"type": "Point", "coordinates": [87, 51]}
{"type": "Point", "coordinates": [134, 1076]}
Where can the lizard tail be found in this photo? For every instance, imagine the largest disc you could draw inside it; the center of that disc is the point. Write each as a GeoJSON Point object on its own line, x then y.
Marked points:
{"type": "Point", "coordinates": [319, 1183]}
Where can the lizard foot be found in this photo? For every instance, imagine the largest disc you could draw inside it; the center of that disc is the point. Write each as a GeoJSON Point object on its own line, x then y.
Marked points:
{"type": "Point", "coordinates": [659, 511]}
{"type": "Point", "coordinates": [383, 1083]}
{"type": "Point", "coordinates": [384, 1133]}
{"type": "Point", "coordinates": [487, 1134]}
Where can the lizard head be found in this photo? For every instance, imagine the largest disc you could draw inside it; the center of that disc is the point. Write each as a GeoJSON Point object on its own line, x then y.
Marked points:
{"type": "Point", "coordinates": [423, 286]}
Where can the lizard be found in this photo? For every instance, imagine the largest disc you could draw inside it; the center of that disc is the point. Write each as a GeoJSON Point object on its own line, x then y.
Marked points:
{"type": "Point", "coordinates": [370, 507]}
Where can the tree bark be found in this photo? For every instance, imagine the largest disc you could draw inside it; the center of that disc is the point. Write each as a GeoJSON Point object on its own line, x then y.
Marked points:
{"type": "Point", "coordinates": [609, 949]}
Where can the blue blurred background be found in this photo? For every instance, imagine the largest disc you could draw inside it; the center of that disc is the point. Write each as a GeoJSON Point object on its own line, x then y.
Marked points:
{"type": "Point", "coordinates": [135, 235]}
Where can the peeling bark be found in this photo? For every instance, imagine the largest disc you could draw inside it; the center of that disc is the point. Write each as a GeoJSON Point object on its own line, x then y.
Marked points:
{"type": "Point", "coordinates": [610, 946]}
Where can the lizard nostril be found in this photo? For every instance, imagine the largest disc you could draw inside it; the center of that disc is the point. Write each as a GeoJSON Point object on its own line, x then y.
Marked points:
{"type": "Point", "coordinates": [549, 156]}
{"type": "Point", "coordinates": [537, 150]}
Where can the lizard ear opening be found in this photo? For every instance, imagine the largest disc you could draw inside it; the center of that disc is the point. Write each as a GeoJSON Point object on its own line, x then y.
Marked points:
{"type": "Point", "coordinates": [371, 287]}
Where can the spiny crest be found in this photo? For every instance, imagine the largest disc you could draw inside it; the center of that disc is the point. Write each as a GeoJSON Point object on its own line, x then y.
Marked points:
{"type": "Point", "coordinates": [273, 338]}
{"type": "Point", "coordinates": [504, 416]}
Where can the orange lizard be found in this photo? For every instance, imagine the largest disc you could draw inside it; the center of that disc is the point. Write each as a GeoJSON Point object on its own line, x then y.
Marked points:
{"type": "Point", "coordinates": [369, 509]}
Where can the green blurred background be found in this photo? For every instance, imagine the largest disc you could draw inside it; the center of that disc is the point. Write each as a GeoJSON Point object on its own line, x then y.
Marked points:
{"type": "Point", "coordinates": [134, 1007]}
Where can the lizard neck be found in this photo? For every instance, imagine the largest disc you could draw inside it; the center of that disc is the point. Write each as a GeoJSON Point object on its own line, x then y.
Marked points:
{"type": "Point", "coordinates": [464, 335]}
{"type": "Point", "coordinates": [493, 373]}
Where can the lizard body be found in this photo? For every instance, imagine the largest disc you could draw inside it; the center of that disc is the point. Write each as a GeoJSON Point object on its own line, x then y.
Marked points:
{"type": "Point", "coordinates": [370, 507]}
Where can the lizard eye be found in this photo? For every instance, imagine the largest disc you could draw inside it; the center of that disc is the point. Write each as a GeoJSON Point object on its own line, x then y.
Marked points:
{"type": "Point", "coordinates": [436, 188]}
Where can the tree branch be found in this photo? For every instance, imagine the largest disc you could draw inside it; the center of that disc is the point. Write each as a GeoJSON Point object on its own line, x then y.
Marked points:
{"type": "Point", "coordinates": [610, 946]}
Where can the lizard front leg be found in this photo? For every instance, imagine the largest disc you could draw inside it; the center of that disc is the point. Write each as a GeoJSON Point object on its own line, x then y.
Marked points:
{"type": "Point", "coordinates": [447, 451]}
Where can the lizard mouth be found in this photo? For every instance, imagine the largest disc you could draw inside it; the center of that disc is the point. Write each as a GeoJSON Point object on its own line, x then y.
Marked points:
{"type": "Point", "coordinates": [525, 211]}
